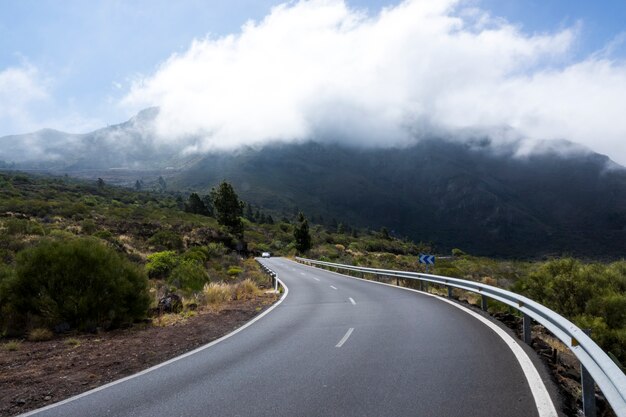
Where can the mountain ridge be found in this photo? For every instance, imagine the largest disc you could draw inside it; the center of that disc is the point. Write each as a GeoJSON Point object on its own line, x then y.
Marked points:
{"type": "Point", "coordinates": [484, 197]}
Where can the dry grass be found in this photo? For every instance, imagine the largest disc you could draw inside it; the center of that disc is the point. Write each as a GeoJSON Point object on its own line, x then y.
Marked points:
{"type": "Point", "coordinates": [12, 345]}
{"type": "Point", "coordinates": [216, 294]}
{"type": "Point", "coordinates": [246, 289]}
{"type": "Point", "coordinates": [170, 319]}
{"type": "Point", "coordinates": [40, 335]}
{"type": "Point", "coordinates": [72, 341]}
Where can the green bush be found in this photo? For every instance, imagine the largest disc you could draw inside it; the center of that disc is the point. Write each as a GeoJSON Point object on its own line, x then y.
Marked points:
{"type": "Point", "coordinates": [591, 295]}
{"type": "Point", "coordinates": [166, 239]}
{"type": "Point", "coordinates": [160, 264]}
{"type": "Point", "coordinates": [189, 275]}
{"type": "Point", "coordinates": [234, 271]}
{"type": "Point", "coordinates": [88, 227]}
{"type": "Point", "coordinates": [81, 282]}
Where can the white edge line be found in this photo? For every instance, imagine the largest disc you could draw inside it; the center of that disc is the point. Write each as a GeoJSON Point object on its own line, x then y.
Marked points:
{"type": "Point", "coordinates": [162, 364]}
{"type": "Point", "coordinates": [345, 337]}
{"type": "Point", "coordinates": [334, 288]}
{"type": "Point", "coordinates": [543, 401]}
{"type": "Point", "coordinates": [352, 301]}
{"type": "Point", "coordinates": [316, 279]}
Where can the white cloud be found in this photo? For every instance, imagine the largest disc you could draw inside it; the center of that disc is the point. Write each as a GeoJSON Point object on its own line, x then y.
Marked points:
{"type": "Point", "coordinates": [321, 70]}
{"type": "Point", "coordinates": [20, 89]}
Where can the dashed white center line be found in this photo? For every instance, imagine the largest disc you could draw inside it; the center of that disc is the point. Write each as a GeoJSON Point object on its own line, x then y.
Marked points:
{"type": "Point", "coordinates": [352, 301]}
{"type": "Point", "coordinates": [334, 288]}
{"type": "Point", "coordinates": [316, 279]}
{"type": "Point", "coordinates": [345, 337]}
{"type": "Point", "coordinates": [302, 273]}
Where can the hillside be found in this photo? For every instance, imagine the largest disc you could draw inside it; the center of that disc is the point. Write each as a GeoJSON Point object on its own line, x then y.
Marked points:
{"type": "Point", "coordinates": [474, 195]}
{"type": "Point", "coordinates": [451, 194]}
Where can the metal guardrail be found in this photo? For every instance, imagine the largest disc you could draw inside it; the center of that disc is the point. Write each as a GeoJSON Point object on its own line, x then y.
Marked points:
{"type": "Point", "coordinates": [595, 363]}
{"type": "Point", "coordinates": [273, 276]}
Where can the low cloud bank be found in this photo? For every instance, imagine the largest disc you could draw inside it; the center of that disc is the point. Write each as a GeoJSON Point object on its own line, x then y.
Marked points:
{"type": "Point", "coordinates": [321, 70]}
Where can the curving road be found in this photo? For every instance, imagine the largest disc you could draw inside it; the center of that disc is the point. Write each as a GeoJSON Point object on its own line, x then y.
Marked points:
{"type": "Point", "coordinates": [335, 346]}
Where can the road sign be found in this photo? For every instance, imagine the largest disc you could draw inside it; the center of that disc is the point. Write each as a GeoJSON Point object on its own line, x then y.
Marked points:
{"type": "Point", "coordinates": [427, 259]}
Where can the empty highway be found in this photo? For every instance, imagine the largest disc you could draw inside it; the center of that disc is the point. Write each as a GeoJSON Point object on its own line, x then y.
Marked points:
{"type": "Point", "coordinates": [338, 346]}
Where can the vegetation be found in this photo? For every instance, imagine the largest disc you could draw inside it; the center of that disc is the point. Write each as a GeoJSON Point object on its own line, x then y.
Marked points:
{"type": "Point", "coordinates": [51, 226]}
{"type": "Point", "coordinates": [301, 234]}
{"type": "Point", "coordinates": [228, 208]}
{"type": "Point", "coordinates": [79, 281]}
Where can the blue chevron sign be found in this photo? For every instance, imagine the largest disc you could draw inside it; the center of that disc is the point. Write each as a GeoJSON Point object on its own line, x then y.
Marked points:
{"type": "Point", "coordinates": [427, 259]}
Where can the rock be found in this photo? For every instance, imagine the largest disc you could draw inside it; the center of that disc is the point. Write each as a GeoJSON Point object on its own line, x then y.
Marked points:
{"type": "Point", "coordinates": [170, 303]}
{"type": "Point", "coordinates": [192, 306]}
{"type": "Point", "coordinates": [47, 398]}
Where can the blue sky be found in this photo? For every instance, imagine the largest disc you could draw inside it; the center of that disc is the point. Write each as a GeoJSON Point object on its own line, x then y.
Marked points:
{"type": "Point", "coordinates": [84, 55]}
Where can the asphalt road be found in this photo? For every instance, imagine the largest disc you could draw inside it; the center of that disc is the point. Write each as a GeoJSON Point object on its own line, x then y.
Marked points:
{"type": "Point", "coordinates": [334, 346]}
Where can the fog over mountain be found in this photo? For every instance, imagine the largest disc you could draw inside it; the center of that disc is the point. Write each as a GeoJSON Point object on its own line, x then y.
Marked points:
{"type": "Point", "coordinates": [321, 70]}
{"type": "Point", "coordinates": [480, 194]}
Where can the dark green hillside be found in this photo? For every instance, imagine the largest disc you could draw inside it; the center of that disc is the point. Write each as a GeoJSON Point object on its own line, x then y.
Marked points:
{"type": "Point", "coordinates": [455, 195]}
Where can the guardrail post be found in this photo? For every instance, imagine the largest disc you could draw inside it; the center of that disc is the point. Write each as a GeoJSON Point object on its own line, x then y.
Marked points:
{"type": "Point", "coordinates": [526, 329]}
{"type": "Point", "coordinates": [398, 281]}
{"type": "Point", "coordinates": [588, 386]}
{"type": "Point", "coordinates": [449, 291]}
{"type": "Point", "coordinates": [483, 303]}
{"type": "Point", "coordinates": [421, 285]}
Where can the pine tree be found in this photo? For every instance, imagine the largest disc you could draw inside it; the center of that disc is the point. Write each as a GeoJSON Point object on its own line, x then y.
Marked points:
{"type": "Point", "coordinates": [249, 213]}
{"type": "Point", "coordinates": [138, 185]}
{"type": "Point", "coordinates": [162, 184]}
{"type": "Point", "coordinates": [270, 220]}
{"type": "Point", "coordinates": [301, 234]}
{"type": "Point", "coordinates": [228, 208]}
{"type": "Point", "coordinates": [195, 205]}
{"type": "Point", "coordinates": [208, 204]}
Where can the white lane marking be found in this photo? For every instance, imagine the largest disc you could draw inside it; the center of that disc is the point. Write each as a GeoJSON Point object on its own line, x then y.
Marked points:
{"type": "Point", "coordinates": [302, 273]}
{"type": "Point", "coordinates": [345, 337]}
{"type": "Point", "coordinates": [334, 288]}
{"type": "Point", "coordinates": [543, 402]}
{"type": "Point", "coordinates": [162, 364]}
{"type": "Point", "coordinates": [316, 279]}
{"type": "Point", "coordinates": [352, 301]}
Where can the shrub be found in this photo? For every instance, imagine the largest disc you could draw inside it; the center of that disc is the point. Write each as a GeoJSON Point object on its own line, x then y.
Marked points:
{"type": "Point", "coordinates": [189, 275]}
{"type": "Point", "coordinates": [72, 341]}
{"type": "Point", "coordinates": [246, 289]}
{"type": "Point", "coordinates": [216, 293]}
{"type": "Point", "coordinates": [166, 239]}
{"type": "Point", "coordinates": [88, 227]}
{"type": "Point", "coordinates": [103, 234]}
{"type": "Point", "coordinates": [80, 282]}
{"type": "Point", "coordinates": [234, 271]}
{"type": "Point", "coordinates": [161, 264]}
{"type": "Point", "coordinates": [12, 346]}
{"type": "Point", "coordinates": [40, 335]}
{"type": "Point", "coordinates": [197, 253]}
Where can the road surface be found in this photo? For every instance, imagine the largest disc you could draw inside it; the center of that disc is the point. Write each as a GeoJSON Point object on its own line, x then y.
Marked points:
{"type": "Point", "coordinates": [335, 346]}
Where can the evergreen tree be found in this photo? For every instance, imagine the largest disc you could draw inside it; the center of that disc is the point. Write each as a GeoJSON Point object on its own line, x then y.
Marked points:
{"type": "Point", "coordinates": [228, 208]}
{"type": "Point", "coordinates": [341, 229]}
{"type": "Point", "coordinates": [249, 213]}
{"type": "Point", "coordinates": [195, 205]}
{"type": "Point", "coordinates": [162, 184]}
{"type": "Point", "coordinates": [301, 234]}
{"type": "Point", "coordinates": [208, 205]}
{"type": "Point", "coordinates": [270, 220]}
{"type": "Point", "coordinates": [138, 185]}
{"type": "Point", "coordinates": [384, 233]}
{"type": "Point", "coordinates": [100, 183]}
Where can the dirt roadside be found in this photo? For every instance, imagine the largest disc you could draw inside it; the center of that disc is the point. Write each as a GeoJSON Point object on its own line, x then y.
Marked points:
{"type": "Point", "coordinates": [41, 373]}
